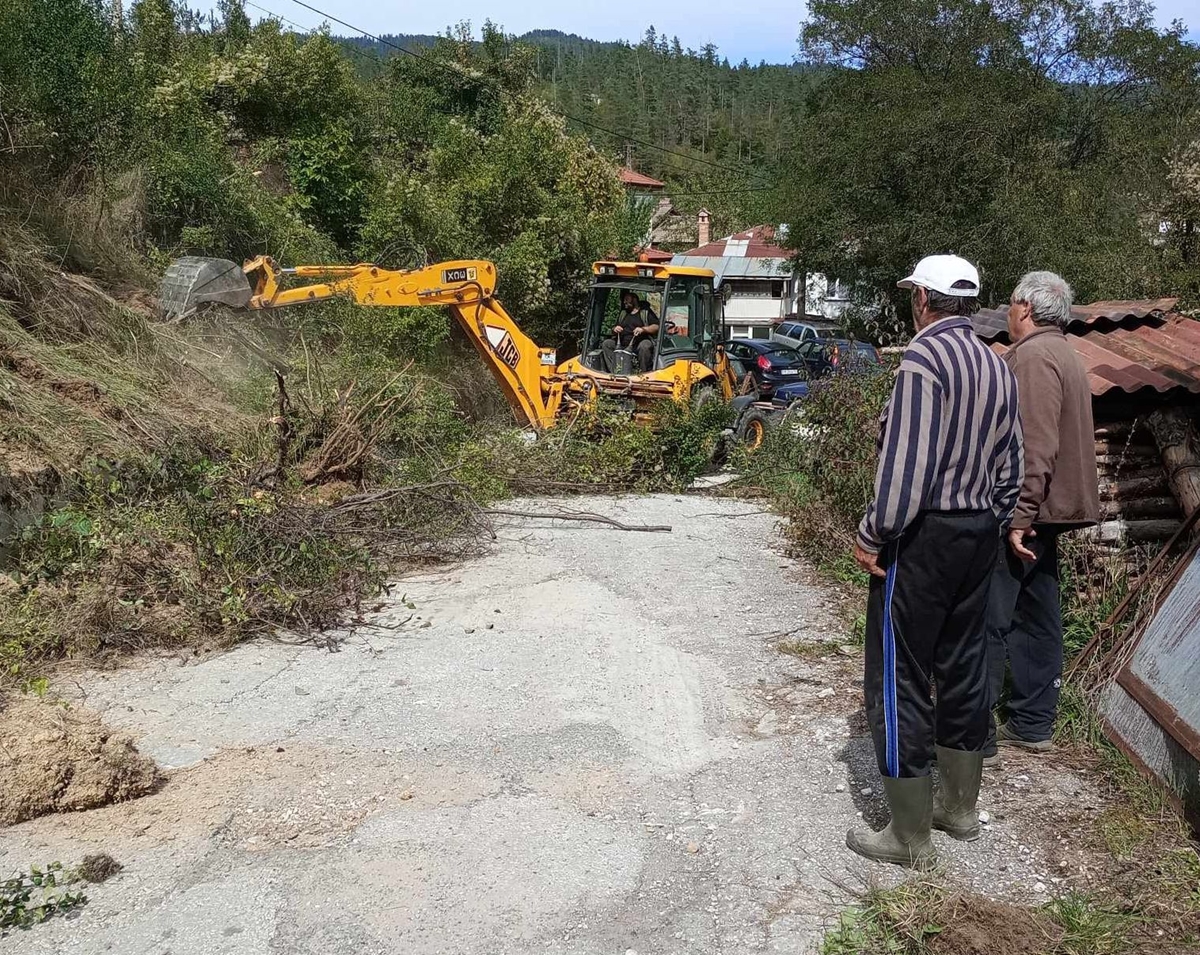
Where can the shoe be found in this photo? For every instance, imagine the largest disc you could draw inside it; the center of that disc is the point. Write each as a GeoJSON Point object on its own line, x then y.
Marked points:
{"type": "Point", "coordinates": [954, 805]}
{"type": "Point", "coordinates": [1006, 737]}
{"type": "Point", "coordinates": [993, 762]}
{"type": "Point", "coordinates": [905, 841]}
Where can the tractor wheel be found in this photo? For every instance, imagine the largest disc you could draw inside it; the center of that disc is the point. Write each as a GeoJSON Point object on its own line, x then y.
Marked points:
{"type": "Point", "coordinates": [753, 428]}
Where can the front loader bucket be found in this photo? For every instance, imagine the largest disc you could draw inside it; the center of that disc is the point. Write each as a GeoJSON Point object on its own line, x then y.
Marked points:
{"type": "Point", "coordinates": [193, 280]}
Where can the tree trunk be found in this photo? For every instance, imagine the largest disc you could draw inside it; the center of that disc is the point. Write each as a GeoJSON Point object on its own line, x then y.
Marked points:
{"type": "Point", "coordinates": [1176, 442]}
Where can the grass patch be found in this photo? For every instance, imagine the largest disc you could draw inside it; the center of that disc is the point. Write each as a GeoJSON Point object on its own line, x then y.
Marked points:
{"type": "Point", "coordinates": [924, 917]}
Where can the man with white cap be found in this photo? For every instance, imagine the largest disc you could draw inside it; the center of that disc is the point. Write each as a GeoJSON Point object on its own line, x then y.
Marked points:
{"type": "Point", "coordinates": [949, 474]}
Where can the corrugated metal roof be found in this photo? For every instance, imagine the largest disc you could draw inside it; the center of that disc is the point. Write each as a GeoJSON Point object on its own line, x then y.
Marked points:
{"type": "Point", "coordinates": [993, 322]}
{"type": "Point", "coordinates": [1129, 346]}
{"type": "Point", "coordinates": [737, 266]}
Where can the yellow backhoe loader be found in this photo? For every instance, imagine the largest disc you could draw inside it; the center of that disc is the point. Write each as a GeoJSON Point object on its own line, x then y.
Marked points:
{"type": "Point", "coordinates": [688, 359]}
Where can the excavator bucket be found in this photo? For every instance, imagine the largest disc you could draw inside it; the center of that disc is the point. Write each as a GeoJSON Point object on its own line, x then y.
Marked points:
{"type": "Point", "coordinates": [194, 280]}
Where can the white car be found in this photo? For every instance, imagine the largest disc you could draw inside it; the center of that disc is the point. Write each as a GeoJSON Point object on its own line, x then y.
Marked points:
{"type": "Point", "coordinates": [796, 333]}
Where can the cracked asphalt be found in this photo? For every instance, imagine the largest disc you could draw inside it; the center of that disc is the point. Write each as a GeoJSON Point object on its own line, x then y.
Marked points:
{"type": "Point", "coordinates": [583, 742]}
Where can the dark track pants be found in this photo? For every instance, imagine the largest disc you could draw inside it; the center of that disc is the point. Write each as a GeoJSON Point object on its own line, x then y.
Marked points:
{"type": "Point", "coordinates": [1024, 624]}
{"type": "Point", "coordinates": [925, 627]}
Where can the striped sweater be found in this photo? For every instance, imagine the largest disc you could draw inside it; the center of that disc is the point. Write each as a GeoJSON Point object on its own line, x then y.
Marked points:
{"type": "Point", "coordinates": [950, 437]}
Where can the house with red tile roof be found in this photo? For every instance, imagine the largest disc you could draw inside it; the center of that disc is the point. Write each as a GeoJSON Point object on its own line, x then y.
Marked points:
{"type": "Point", "coordinates": [759, 278]}
{"type": "Point", "coordinates": [764, 286]}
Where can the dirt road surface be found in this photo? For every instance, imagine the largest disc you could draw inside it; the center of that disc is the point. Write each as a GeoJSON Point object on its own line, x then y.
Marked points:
{"type": "Point", "coordinates": [585, 742]}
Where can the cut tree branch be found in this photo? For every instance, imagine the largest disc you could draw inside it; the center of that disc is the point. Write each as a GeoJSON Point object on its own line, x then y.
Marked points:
{"type": "Point", "coordinates": [583, 516]}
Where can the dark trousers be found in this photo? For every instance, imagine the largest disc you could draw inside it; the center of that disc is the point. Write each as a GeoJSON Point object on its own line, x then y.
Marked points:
{"type": "Point", "coordinates": [924, 628]}
{"type": "Point", "coordinates": [1024, 624]}
{"type": "Point", "coordinates": [643, 349]}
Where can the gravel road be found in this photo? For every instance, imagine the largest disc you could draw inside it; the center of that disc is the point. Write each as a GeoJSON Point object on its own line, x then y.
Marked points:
{"type": "Point", "coordinates": [585, 742]}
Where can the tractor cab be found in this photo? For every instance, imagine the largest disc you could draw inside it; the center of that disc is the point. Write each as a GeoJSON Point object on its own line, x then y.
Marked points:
{"type": "Point", "coordinates": [681, 302]}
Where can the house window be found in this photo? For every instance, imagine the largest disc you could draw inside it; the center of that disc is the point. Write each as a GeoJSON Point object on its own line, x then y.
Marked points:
{"type": "Point", "coordinates": [777, 289]}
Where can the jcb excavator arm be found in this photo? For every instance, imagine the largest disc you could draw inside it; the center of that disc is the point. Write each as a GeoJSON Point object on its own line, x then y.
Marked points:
{"type": "Point", "coordinates": [525, 372]}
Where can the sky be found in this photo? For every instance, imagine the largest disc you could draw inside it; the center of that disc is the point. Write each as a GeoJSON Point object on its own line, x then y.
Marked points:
{"type": "Point", "coordinates": [762, 30]}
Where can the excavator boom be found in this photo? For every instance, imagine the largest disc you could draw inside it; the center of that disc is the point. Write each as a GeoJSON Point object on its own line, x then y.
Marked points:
{"type": "Point", "coordinates": [526, 373]}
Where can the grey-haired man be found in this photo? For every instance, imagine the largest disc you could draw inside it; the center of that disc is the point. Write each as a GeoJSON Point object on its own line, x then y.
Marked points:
{"type": "Point", "coordinates": [1059, 493]}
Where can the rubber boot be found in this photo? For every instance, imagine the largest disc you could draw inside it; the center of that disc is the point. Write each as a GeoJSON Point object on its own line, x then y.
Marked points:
{"type": "Point", "coordinates": [906, 840]}
{"type": "Point", "coordinates": [954, 806]}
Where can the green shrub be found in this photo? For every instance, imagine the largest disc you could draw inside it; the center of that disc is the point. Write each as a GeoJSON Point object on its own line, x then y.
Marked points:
{"type": "Point", "coordinates": [818, 466]}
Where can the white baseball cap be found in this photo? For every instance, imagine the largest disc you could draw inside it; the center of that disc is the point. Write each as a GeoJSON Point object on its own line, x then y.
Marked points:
{"type": "Point", "coordinates": [941, 272]}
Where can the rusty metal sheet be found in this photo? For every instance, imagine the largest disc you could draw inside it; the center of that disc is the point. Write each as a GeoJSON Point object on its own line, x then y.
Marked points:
{"type": "Point", "coordinates": [1155, 751]}
{"type": "Point", "coordinates": [1152, 709]}
{"type": "Point", "coordinates": [1163, 673]}
{"type": "Point", "coordinates": [991, 323]}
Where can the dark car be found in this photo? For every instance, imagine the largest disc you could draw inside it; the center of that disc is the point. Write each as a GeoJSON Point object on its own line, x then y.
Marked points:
{"type": "Point", "coordinates": [828, 356]}
{"type": "Point", "coordinates": [786, 395]}
{"type": "Point", "coordinates": [770, 363]}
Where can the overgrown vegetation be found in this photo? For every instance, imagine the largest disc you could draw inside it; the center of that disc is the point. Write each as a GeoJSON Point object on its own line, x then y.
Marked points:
{"type": "Point", "coordinates": [170, 551]}
{"type": "Point", "coordinates": [818, 467]}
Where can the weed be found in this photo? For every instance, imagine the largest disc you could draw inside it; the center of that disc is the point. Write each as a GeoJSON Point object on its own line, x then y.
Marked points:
{"type": "Point", "coordinates": [33, 897]}
{"type": "Point", "coordinates": [1090, 927]}
{"type": "Point", "coordinates": [1123, 830]}
{"type": "Point", "coordinates": [898, 921]}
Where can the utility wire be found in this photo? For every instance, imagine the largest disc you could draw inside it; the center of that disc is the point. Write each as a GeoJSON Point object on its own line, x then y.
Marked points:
{"type": "Point", "coordinates": [502, 91]}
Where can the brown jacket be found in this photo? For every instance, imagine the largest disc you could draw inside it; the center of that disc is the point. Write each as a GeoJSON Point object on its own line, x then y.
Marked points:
{"type": "Point", "coordinates": [1060, 485]}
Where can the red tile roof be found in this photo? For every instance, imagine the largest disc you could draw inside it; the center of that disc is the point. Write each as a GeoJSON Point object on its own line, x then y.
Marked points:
{"type": "Point", "coordinates": [631, 177]}
{"type": "Point", "coordinates": [756, 243]}
{"type": "Point", "coordinates": [1130, 347]}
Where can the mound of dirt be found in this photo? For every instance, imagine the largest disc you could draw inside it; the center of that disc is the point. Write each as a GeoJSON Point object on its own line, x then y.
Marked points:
{"type": "Point", "coordinates": [54, 759]}
{"type": "Point", "coordinates": [975, 925]}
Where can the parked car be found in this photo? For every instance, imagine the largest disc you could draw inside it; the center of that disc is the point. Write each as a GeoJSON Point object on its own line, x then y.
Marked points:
{"type": "Point", "coordinates": [823, 359]}
{"type": "Point", "coordinates": [770, 364]}
{"type": "Point", "coordinates": [826, 356]}
{"type": "Point", "coordinates": [796, 333]}
{"type": "Point", "coordinates": [787, 395]}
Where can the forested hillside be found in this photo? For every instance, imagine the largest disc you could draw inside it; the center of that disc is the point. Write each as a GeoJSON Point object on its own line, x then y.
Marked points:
{"type": "Point", "coordinates": [715, 133]}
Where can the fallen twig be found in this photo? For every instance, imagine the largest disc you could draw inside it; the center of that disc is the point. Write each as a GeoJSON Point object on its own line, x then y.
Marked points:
{"type": "Point", "coordinates": [582, 516]}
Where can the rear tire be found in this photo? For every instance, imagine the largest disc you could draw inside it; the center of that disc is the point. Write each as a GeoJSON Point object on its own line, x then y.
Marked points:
{"type": "Point", "coordinates": [752, 429]}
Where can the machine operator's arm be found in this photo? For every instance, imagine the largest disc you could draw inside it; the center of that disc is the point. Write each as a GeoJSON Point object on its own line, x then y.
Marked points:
{"type": "Point", "coordinates": [523, 370]}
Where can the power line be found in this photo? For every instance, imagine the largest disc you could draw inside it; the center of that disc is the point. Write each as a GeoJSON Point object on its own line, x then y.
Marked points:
{"type": "Point", "coordinates": [502, 91]}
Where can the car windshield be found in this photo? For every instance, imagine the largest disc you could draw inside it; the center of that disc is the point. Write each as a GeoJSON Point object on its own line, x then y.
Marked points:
{"type": "Point", "coordinates": [782, 354]}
